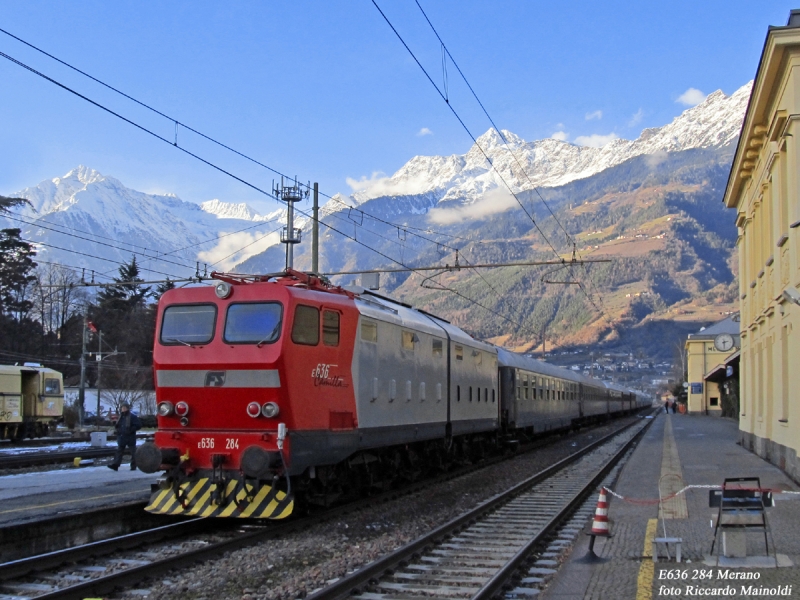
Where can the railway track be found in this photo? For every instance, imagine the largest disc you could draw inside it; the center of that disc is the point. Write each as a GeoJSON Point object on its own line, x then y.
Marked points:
{"type": "Point", "coordinates": [480, 553]}
{"type": "Point", "coordinates": [22, 461]}
{"type": "Point", "coordinates": [101, 567]}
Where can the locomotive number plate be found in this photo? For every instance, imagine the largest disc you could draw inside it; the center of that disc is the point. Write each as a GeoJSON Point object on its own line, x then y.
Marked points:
{"type": "Point", "coordinates": [231, 443]}
{"type": "Point", "coordinates": [205, 443]}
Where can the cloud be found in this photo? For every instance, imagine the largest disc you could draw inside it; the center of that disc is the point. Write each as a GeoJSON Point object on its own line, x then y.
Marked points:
{"type": "Point", "coordinates": [378, 185]}
{"type": "Point", "coordinates": [598, 114]}
{"type": "Point", "coordinates": [595, 140]}
{"type": "Point", "coordinates": [561, 136]}
{"type": "Point", "coordinates": [655, 159]}
{"type": "Point", "coordinates": [492, 202]}
{"type": "Point", "coordinates": [636, 118]}
{"type": "Point", "coordinates": [691, 97]}
{"type": "Point", "coordinates": [424, 131]}
{"type": "Point", "coordinates": [235, 248]}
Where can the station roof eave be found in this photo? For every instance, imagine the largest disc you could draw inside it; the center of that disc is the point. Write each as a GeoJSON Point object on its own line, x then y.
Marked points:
{"type": "Point", "coordinates": [777, 42]}
{"type": "Point", "coordinates": [719, 373]}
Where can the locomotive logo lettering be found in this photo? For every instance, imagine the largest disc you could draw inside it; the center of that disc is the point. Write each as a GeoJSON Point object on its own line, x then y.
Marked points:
{"type": "Point", "coordinates": [321, 376]}
{"type": "Point", "coordinates": [215, 378]}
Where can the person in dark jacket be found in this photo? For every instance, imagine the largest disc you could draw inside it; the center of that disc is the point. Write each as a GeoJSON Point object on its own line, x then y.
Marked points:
{"type": "Point", "coordinates": [125, 428]}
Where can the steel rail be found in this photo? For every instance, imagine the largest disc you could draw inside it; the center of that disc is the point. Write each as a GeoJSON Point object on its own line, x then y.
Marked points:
{"type": "Point", "coordinates": [21, 461]}
{"type": "Point", "coordinates": [350, 584]}
{"type": "Point", "coordinates": [499, 580]}
{"type": "Point", "coordinates": [24, 566]}
{"type": "Point", "coordinates": [134, 575]}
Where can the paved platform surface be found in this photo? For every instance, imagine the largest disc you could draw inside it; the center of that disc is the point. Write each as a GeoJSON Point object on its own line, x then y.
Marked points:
{"type": "Point", "coordinates": [29, 496]}
{"type": "Point", "coordinates": [688, 450]}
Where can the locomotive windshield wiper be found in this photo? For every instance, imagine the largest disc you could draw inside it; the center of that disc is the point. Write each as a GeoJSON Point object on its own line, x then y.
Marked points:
{"type": "Point", "coordinates": [180, 342]}
{"type": "Point", "coordinates": [271, 336]}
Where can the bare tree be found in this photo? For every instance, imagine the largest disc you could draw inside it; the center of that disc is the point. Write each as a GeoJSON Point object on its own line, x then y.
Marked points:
{"type": "Point", "coordinates": [131, 387]}
{"type": "Point", "coordinates": [679, 361]}
{"type": "Point", "coordinates": [57, 296]}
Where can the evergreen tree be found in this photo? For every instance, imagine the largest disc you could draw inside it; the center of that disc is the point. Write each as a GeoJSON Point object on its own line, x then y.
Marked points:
{"type": "Point", "coordinates": [164, 287]}
{"type": "Point", "coordinates": [16, 273]}
{"type": "Point", "coordinates": [126, 320]}
{"type": "Point", "coordinates": [7, 203]}
{"type": "Point", "coordinates": [127, 297]}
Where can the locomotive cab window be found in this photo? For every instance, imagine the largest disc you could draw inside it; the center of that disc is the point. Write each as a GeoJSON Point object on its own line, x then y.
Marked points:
{"type": "Point", "coordinates": [188, 324]}
{"type": "Point", "coordinates": [437, 347]}
{"type": "Point", "coordinates": [305, 329]}
{"type": "Point", "coordinates": [52, 386]}
{"type": "Point", "coordinates": [330, 328]}
{"type": "Point", "coordinates": [459, 352]}
{"type": "Point", "coordinates": [253, 323]}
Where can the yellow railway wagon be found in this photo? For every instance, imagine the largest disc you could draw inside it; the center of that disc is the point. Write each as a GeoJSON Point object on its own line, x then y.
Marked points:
{"type": "Point", "coordinates": [31, 400]}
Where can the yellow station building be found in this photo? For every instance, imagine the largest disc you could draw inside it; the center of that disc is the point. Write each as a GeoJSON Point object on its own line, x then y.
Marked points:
{"type": "Point", "coordinates": [764, 188]}
{"type": "Point", "coordinates": [706, 351]}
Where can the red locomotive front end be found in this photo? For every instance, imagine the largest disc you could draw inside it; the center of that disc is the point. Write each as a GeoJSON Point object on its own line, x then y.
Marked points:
{"type": "Point", "coordinates": [244, 371]}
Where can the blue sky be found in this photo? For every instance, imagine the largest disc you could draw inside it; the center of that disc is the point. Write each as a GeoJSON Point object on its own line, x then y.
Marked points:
{"type": "Point", "coordinates": [325, 91]}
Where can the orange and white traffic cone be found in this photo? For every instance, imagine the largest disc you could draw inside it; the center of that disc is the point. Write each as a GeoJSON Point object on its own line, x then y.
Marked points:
{"type": "Point", "coordinates": [599, 527]}
{"type": "Point", "coordinates": [600, 523]}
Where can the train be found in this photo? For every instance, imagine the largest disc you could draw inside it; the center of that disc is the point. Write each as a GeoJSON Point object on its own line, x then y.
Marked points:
{"type": "Point", "coordinates": [284, 390]}
{"type": "Point", "coordinates": [31, 400]}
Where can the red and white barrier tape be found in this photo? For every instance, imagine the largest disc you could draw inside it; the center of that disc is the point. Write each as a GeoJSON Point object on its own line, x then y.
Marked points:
{"type": "Point", "coordinates": [645, 501]}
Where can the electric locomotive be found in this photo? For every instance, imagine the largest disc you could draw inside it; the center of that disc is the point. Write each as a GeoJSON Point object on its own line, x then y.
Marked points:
{"type": "Point", "coordinates": [277, 388]}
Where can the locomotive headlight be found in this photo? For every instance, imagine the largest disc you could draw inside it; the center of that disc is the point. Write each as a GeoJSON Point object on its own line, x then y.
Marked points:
{"type": "Point", "coordinates": [181, 409]}
{"type": "Point", "coordinates": [165, 409]}
{"type": "Point", "coordinates": [270, 409]}
{"type": "Point", "coordinates": [223, 289]}
{"type": "Point", "coordinates": [253, 409]}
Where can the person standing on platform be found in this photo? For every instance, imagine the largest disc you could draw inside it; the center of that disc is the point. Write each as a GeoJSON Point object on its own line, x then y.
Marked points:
{"type": "Point", "coordinates": [126, 428]}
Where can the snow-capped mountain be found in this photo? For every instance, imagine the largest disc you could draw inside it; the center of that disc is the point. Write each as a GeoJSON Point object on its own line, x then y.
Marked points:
{"type": "Point", "coordinates": [243, 211]}
{"type": "Point", "coordinates": [90, 220]}
{"type": "Point", "coordinates": [550, 162]}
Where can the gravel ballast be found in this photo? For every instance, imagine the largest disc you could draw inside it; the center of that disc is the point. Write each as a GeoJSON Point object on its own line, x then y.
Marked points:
{"type": "Point", "coordinates": [295, 566]}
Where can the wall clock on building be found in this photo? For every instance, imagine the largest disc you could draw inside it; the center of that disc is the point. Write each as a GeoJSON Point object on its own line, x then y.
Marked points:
{"type": "Point", "coordinates": [723, 342]}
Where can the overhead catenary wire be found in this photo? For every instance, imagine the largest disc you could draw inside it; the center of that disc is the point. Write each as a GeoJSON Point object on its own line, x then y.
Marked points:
{"type": "Point", "coordinates": [232, 175]}
{"type": "Point", "coordinates": [460, 267]}
{"type": "Point", "coordinates": [464, 126]}
{"type": "Point", "coordinates": [193, 155]}
{"type": "Point", "coordinates": [178, 123]}
{"type": "Point", "coordinates": [175, 143]}
{"type": "Point", "coordinates": [142, 254]}
{"type": "Point", "coordinates": [71, 268]}
{"type": "Point", "coordinates": [446, 98]}
{"type": "Point", "coordinates": [488, 116]}
{"type": "Point", "coordinates": [48, 245]}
